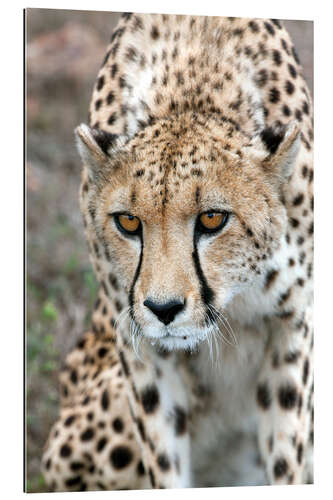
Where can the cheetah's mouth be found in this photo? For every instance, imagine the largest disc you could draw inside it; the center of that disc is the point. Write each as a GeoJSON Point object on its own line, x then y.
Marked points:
{"type": "Point", "coordinates": [176, 338]}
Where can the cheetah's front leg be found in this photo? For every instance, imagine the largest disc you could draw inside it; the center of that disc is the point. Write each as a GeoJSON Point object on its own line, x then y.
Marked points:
{"type": "Point", "coordinates": [284, 396]}
{"type": "Point", "coordinates": [158, 403]}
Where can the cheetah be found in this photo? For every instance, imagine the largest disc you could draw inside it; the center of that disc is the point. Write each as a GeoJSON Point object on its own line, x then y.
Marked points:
{"type": "Point", "coordinates": [197, 205]}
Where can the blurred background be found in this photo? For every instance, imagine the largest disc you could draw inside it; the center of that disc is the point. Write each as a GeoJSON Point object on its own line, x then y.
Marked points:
{"type": "Point", "coordinates": [64, 51]}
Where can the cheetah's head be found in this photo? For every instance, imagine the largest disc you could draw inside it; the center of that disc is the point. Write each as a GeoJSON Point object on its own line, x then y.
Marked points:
{"type": "Point", "coordinates": [187, 215]}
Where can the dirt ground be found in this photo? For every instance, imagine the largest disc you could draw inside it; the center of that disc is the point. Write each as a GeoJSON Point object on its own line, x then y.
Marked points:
{"type": "Point", "coordinates": [64, 51]}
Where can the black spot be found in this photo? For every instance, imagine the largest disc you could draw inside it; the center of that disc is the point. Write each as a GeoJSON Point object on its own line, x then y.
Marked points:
{"type": "Point", "coordinates": [197, 195]}
{"type": "Point", "coordinates": [180, 420]}
{"type": "Point", "coordinates": [101, 352]}
{"type": "Point", "coordinates": [180, 78]}
{"type": "Point", "coordinates": [287, 397]}
{"type": "Point", "coordinates": [81, 344]}
{"type": "Point", "coordinates": [69, 420]}
{"type": "Point", "coordinates": [131, 54]}
{"type": "Point", "coordinates": [163, 462]}
{"type": "Point", "coordinates": [122, 82]}
{"type": "Point", "coordinates": [124, 363]}
{"type": "Point", "coordinates": [150, 398]}
{"type": "Point", "coordinates": [118, 425]}
{"type": "Point", "coordinates": [262, 78]}
{"type": "Point", "coordinates": [280, 468]}
{"type": "Point", "coordinates": [292, 356]}
{"type": "Point", "coordinates": [290, 87]}
{"type": "Point", "coordinates": [101, 444]}
{"type": "Point", "coordinates": [305, 171]}
{"type": "Point", "coordinates": [106, 57]}
{"type": "Point", "coordinates": [238, 32]}
{"type": "Point", "coordinates": [114, 70]}
{"type": "Point", "coordinates": [121, 457]}
{"type": "Point", "coordinates": [295, 55]}
{"type": "Point", "coordinates": [277, 57]}
{"type": "Point", "coordinates": [105, 400]}
{"type": "Point", "coordinates": [118, 305]}
{"type": "Point", "coordinates": [300, 453]}
{"type": "Point", "coordinates": [110, 97]}
{"type": "Point", "coordinates": [293, 222]}
{"type": "Point", "coordinates": [305, 371]}
{"type": "Point", "coordinates": [285, 46]}
{"type": "Point", "coordinates": [272, 138]}
{"type": "Point", "coordinates": [284, 296]}
{"type": "Point", "coordinates": [155, 34]}
{"type": "Point", "coordinates": [298, 115]}
{"type": "Point", "coordinates": [100, 82]}
{"type": "Point", "coordinates": [98, 104]}
{"type": "Point", "coordinates": [140, 469]}
{"type": "Point", "coordinates": [298, 200]}
{"type": "Point", "coordinates": [263, 396]}
{"type": "Point", "coordinates": [305, 108]}
{"type": "Point", "coordinates": [87, 434]}
{"type": "Point", "coordinates": [285, 314]}
{"type": "Point", "coordinates": [141, 429]}
{"type": "Point", "coordinates": [269, 28]}
{"type": "Point", "coordinates": [75, 466]}
{"type": "Point", "coordinates": [292, 70]}
{"type": "Point", "coordinates": [152, 477]}
{"type": "Point", "coordinates": [112, 118]}
{"type": "Point", "coordinates": [73, 481]}
{"type": "Point", "coordinates": [270, 278]}
{"type": "Point", "coordinates": [65, 451]}
{"type": "Point", "coordinates": [274, 95]}
{"type": "Point", "coordinates": [286, 110]}
{"type": "Point", "coordinates": [127, 15]}
{"type": "Point", "coordinates": [277, 23]}
{"type": "Point", "coordinates": [253, 26]}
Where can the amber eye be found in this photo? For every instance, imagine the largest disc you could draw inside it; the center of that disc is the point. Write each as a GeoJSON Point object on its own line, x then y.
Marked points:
{"type": "Point", "coordinates": [128, 223]}
{"type": "Point", "coordinates": [210, 222]}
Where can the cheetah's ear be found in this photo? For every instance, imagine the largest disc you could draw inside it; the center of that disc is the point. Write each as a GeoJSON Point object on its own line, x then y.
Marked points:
{"type": "Point", "coordinates": [277, 147]}
{"type": "Point", "coordinates": [96, 147]}
{"type": "Point", "coordinates": [282, 144]}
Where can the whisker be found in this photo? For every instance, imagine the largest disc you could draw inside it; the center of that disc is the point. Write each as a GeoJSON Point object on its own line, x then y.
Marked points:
{"type": "Point", "coordinates": [219, 332]}
{"type": "Point", "coordinates": [136, 338]}
{"type": "Point", "coordinates": [226, 324]}
{"type": "Point", "coordinates": [122, 316]}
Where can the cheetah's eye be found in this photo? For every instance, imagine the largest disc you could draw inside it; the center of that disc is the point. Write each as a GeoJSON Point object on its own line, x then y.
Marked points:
{"type": "Point", "coordinates": [128, 223]}
{"type": "Point", "coordinates": [210, 222]}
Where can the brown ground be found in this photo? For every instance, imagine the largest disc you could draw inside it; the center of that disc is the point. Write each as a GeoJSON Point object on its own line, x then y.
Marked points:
{"type": "Point", "coordinates": [64, 52]}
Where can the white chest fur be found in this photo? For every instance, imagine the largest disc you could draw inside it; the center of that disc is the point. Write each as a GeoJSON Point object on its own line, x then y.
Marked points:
{"type": "Point", "coordinates": [224, 445]}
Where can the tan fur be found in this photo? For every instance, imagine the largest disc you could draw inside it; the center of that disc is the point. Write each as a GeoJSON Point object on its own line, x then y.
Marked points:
{"type": "Point", "coordinates": [189, 102]}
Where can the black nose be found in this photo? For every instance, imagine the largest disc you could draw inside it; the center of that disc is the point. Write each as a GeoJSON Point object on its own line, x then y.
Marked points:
{"type": "Point", "coordinates": [165, 312]}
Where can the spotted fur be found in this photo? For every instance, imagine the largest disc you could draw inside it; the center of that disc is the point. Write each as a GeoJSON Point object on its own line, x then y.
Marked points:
{"type": "Point", "coordinates": [191, 115]}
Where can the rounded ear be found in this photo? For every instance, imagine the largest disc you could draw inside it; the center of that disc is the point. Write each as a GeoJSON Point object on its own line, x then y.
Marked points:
{"type": "Point", "coordinates": [96, 147]}
{"type": "Point", "coordinates": [276, 149]}
{"type": "Point", "coordinates": [283, 145]}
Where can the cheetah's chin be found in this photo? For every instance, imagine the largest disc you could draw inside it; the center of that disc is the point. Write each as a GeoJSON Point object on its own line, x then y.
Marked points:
{"type": "Point", "coordinates": [186, 339]}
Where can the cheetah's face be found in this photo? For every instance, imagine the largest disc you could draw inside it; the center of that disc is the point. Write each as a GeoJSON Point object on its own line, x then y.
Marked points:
{"type": "Point", "coordinates": [187, 225]}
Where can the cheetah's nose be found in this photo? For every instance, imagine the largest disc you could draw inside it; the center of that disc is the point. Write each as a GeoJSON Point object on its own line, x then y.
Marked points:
{"type": "Point", "coordinates": [165, 312]}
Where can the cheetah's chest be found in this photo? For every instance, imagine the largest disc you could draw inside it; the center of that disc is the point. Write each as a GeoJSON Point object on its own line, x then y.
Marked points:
{"type": "Point", "coordinates": [224, 445]}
